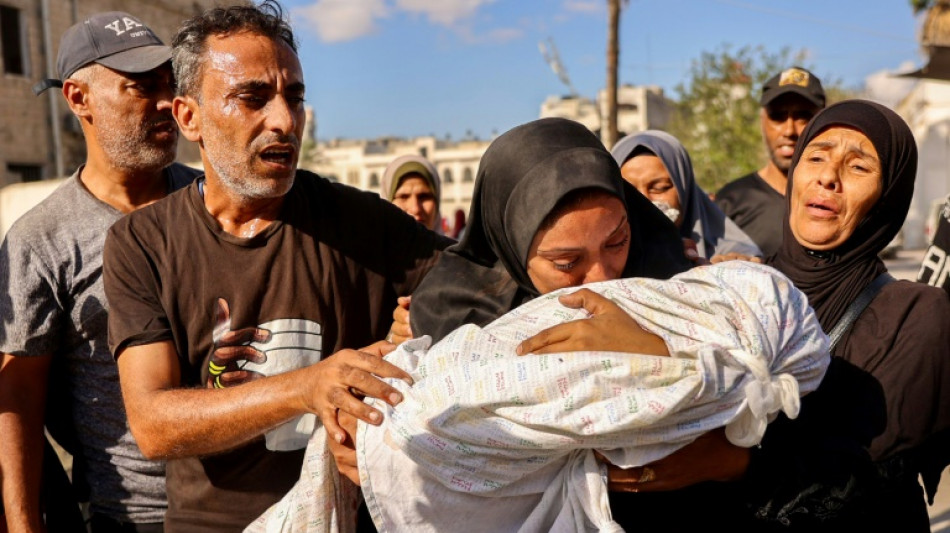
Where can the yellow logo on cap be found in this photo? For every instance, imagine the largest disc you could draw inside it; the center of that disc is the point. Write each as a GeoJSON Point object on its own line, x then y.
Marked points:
{"type": "Point", "coordinates": [794, 76]}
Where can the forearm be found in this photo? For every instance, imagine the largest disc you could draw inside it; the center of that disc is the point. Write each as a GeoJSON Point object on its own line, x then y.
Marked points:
{"type": "Point", "coordinates": [170, 422]}
{"type": "Point", "coordinates": [22, 405]}
{"type": "Point", "coordinates": [175, 423]}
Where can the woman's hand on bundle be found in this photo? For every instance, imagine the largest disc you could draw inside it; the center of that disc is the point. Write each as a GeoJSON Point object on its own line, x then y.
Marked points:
{"type": "Point", "coordinates": [711, 457]}
{"type": "Point", "coordinates": [400, 331]}
{"type": "Point", "coordinates": [609, 329]}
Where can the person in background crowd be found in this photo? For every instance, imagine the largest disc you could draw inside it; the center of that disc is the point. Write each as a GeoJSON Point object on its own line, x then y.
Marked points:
{"type": "Point", "coordinates": [935, 267]}
{"type": "Point", "coordinates": [257, 268]}
{"type": "Point", "coordinates": [412, 183]}
{"type": "Point", "coordinates": [458, 228]}
{"type": "Point", "coordinates": [756, 202]}
{"type": "Point", "coordinates": [116, 78]}
{"type": "Point", "coordinates": [658, 166]}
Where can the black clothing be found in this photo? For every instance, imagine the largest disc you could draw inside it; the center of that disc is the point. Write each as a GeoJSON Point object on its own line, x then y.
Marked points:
{"type": "Point", "coordinates": [898, 352]}
{"type": "Point", "coordinates": [521, 178]}
{"type": "Point", "coordinates": [757, 208]}
{"type": "Point", "coordinates": [935, 267]}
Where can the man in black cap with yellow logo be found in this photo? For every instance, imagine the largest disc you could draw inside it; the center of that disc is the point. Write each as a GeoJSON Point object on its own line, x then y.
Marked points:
{"type": "Point", "coordinates": [756, 202]}
{"type": "Point", "coordinates": [116, 77]}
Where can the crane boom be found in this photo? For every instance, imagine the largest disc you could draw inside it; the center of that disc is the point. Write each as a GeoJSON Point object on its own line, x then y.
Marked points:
{"type": "Point", "coordinates": [553, 59]}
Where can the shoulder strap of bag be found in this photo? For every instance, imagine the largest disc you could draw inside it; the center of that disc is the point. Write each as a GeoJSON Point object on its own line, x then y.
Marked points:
{"type": "Point", "coordinates": [857, 307]}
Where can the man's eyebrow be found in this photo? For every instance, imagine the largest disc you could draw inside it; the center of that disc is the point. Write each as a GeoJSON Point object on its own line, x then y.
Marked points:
{"type": "Point", "coordinates": [297, 87]}
{"type": "Point", "coordinates": [252, 85]}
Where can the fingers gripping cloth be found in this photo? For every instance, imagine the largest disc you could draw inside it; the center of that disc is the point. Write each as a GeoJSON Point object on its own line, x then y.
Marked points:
{"type": "Point", "coordinates": [483, 427]}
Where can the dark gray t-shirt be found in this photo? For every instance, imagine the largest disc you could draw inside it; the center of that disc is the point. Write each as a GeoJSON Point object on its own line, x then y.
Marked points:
{"type": "Point", "coordinates": [757, 208]}
{"type": "Point", "coordinates": [52, 302]}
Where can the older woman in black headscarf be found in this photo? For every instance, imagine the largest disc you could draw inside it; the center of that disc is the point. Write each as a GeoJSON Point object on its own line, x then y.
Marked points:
{"type": "Point", "coordinates": [851, 183]}
{"type": "Point", "coordinates": [525, 175]}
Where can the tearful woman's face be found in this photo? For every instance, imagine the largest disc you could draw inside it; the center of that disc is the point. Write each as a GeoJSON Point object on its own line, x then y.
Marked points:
{"type": "Point", "coordinates": [584, 244]}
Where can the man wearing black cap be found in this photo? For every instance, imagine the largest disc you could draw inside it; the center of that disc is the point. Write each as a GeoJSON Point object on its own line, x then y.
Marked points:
{"type": "Point", "coordinates": [116, 77]}
{"type": "Point", "coordinates": [756, 202]}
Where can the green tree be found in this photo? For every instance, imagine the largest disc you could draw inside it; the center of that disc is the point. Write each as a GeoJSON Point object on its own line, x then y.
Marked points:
{"type": "Point", "coordinates": [716, 115]}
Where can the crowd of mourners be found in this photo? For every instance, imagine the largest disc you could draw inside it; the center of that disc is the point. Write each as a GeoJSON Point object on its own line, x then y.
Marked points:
{"type": "Point", "coordinates": [600, 345]}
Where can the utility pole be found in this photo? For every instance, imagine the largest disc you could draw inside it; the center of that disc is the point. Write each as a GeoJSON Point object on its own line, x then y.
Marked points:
{"type": "Point", "coordinates": [609, 133]}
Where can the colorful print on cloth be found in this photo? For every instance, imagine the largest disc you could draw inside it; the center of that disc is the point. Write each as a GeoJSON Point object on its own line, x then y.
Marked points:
{"type": "Point", "coordinates": [483, 424]}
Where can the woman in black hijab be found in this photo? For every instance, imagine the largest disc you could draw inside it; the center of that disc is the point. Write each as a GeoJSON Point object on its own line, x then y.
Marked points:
{"type": "Point", "coordinates": [525, 175]}
{"type": "Point", "coordinates": [901, 341]}
{"type": "Point", "coordinates": [851, 460]}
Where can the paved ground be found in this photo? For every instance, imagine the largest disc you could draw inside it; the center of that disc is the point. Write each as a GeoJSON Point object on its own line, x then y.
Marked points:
{"type": "Point", "coordinates": [905, 266]}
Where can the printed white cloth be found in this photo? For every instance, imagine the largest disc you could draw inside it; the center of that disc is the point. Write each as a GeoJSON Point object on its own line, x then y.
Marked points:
{"type": "Point", "coordinates": [489, 441]}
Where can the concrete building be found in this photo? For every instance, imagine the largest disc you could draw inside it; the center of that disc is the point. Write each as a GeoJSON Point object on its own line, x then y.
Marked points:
{"type": "Point", "coordinates": [927, 110]}
{"type": "Point", "coordinates": [361, 163]}
{"type": "Point", "coordinates": [639, 108]}
{"type": "Point", "coordinates": [39, 137]}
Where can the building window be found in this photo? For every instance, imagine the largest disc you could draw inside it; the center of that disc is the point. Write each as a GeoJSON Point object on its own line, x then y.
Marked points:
{"type": "Point", "coordinates": [353, 177]}
{"type": "Point", "coordinates": [26, 172]}
{"type": "Point", "coordinates": [13, 41]}
{"type": "Point", "coordinates": [447, 176]}
{"type": "Point", "coordinates": [374, 180]}
{"type": "Point", "coordinates": [467, 176]}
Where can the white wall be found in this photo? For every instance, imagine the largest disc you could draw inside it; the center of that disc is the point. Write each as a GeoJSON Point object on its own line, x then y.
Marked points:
{"type": "Point", "coordinates": [18, 198]}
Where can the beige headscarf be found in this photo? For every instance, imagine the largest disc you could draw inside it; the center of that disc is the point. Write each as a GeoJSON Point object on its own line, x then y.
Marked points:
{"type": "Point", "coordinates": [413, 164]}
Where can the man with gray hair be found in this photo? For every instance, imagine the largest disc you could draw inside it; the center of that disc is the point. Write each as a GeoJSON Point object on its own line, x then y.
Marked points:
{"type": "Point", "coordinates": [117, 80]}
{"type": "Point", "coordinates": [259, 269]}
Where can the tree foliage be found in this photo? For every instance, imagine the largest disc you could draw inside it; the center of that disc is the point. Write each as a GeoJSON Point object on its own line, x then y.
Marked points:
{"type": "Point", "coordinates": [921, 5]}
{"type": "Point", "coordinates": [716, 115]}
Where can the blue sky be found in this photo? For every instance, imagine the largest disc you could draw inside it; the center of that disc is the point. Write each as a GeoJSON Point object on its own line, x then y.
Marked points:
{"type": "Point", "coordinates": [418, 67]}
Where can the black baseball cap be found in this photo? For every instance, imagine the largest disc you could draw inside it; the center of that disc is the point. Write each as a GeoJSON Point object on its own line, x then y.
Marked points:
{"type": "Point", "coordinates": [794, 80]}
{"type": "Point", "coordinates": [114, 39]}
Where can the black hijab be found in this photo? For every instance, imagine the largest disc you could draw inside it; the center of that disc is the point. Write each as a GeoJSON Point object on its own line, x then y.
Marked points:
{"type": "Point", "coordinates": [521, 178]}
{"type": "Point", "coordinates": [832, 279]}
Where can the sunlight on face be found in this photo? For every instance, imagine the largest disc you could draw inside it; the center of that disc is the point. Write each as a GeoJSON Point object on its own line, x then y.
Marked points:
{"type": "Point", "coordinates": [783, 121]}
{"type": "Point", "coordinates": [587, 243]}
{"type": "Point", "coordinates": [252, 114]}
{"type": "Point", "coordinates": [835, 185]}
